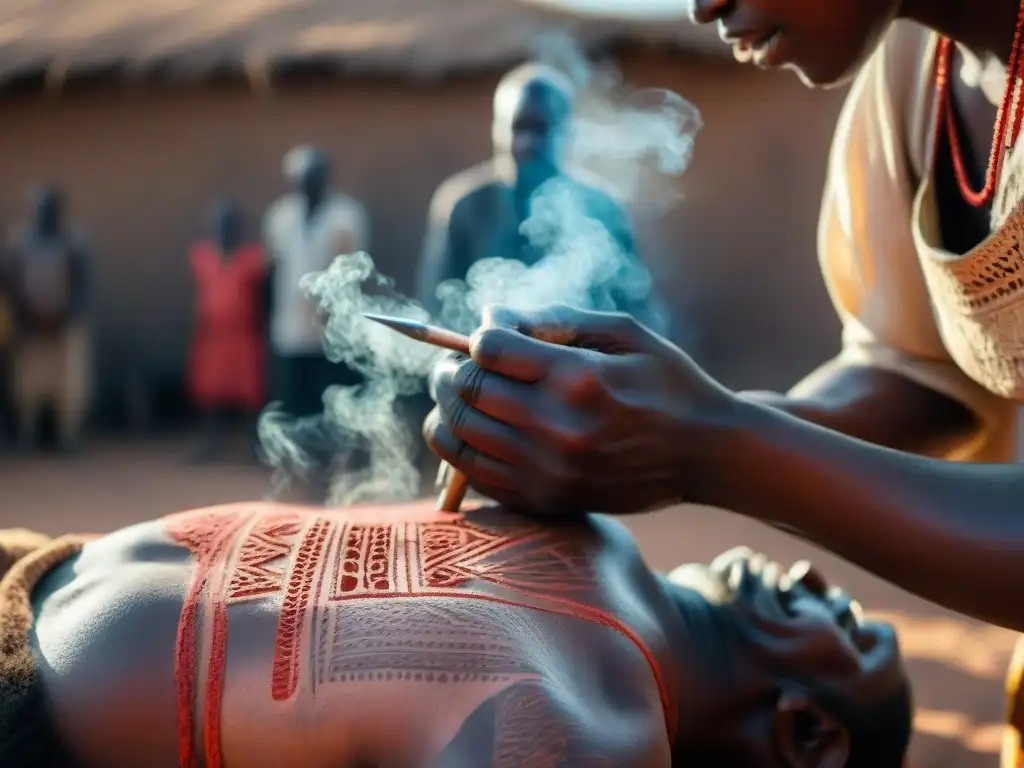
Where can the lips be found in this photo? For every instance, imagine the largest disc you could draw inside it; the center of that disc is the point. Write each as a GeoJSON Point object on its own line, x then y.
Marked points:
{"type": "Point", "coordinates": [759, 45]}
{"type": "Point", "coordinates": [745, 38]}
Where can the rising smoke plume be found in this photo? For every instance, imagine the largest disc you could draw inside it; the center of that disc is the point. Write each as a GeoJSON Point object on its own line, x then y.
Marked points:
{"type": "Point", "coordinates": [636, 142]}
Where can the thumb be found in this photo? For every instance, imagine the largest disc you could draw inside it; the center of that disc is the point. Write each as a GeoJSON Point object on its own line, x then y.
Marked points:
{"type": "Point", "coordinates": [613, 333]}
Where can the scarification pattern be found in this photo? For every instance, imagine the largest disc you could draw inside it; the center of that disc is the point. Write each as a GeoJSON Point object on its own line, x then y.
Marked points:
{"type": "Point", "coordinates": [264, 556]}
{"type": "Point", "coordinates": [285, 675]}
{"type": "Point", "coordinates": [433, 641]}
{"type": "Point", "coordinates": [527, 733]}
{"type": "Point", "coordinates": [367, 561]}
{"type": "Point", "coordinates": [427, 602]}
{"type": "Point", "coordinates": [530, 732]}
{"type": "Point", "coordinates": [208, 536]}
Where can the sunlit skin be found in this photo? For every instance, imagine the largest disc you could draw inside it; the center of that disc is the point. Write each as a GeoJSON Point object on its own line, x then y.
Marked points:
{"type": "Point", "coordinates": [447, 641]}
{"type": "Point", "coordinates": [534, 425]}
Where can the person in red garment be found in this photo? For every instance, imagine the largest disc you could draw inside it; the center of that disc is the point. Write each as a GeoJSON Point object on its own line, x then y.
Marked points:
{"type": "Point", "coordinates": [227, 371]}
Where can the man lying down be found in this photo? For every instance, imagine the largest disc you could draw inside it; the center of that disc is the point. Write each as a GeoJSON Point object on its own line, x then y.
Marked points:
{"type": "Point", "coordinates": [261, 635]}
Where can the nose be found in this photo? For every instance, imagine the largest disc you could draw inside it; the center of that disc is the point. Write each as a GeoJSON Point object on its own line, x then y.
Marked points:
{"type": "Point", "coordinates": [709, 11]}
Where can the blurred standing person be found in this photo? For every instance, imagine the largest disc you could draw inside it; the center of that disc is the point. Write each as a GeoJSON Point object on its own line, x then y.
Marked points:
{"type": "Point", "coordinates": [49, 273]}
{"type": "Point", "coordinates": [303, 232]}
{"type": "Point", "coordinates": [227, 369]}
{"type": "Point", "coordinates": [479, 213]}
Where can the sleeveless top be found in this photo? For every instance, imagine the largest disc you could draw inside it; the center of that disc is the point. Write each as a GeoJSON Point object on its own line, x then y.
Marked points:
{"type": "Point", "coordinates": [953, 323]}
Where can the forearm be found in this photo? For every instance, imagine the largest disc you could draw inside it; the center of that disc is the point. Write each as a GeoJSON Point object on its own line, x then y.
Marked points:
{"type": "Point", "coordinates": [952, 533]}
{"type": "Point", "coordinates": [880, 407]}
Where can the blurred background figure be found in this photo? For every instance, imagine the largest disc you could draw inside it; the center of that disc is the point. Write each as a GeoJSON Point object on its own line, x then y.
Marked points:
{"type": "Point", "coordinates": [228, 362]}
{"type": "Point", "coordinates": [48, 272]}
{"type": "Point", "coordinates": [304, 231]}
{"type": "Point", "coordinates": [479, 213]}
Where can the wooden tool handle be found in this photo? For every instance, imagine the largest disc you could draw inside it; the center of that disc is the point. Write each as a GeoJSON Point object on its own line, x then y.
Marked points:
{"type": "Point", "coordinates": [453, 493]}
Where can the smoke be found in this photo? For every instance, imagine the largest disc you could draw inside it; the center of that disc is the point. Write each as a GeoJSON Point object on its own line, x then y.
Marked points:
{"type": "Point", "coordinates": [631, 144]}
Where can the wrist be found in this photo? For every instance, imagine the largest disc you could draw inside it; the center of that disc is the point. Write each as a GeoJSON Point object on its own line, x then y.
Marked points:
{"type": "Point", "coordinates": [712, 453]}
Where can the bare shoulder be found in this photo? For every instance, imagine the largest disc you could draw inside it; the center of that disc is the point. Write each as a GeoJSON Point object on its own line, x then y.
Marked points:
{"type": "Point", "coordinates": [460, 187]}
{"type": "Point", "coordinates": [104, 639]}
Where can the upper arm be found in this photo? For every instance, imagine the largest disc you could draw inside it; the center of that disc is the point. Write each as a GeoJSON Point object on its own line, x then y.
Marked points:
{"type": "Point", "coordinates": [437, 259]}
{"type": "Point", "coordinates": [868, 255]}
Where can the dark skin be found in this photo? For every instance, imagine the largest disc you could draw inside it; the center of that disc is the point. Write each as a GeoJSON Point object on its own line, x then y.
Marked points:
{"type": "Point", "coordinates": [484, 220]}
{"type": "Point", "coordinates": [753, 651]}
{"type": "Point", "coordinates": [47, 231]}
{"type": "Point", "coordinates": [632, 423]}
{"type": "Point", "coordinates": [227, 228]}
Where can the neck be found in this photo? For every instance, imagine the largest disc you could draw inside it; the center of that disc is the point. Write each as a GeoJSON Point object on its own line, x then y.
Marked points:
{"type": "Point", "coordinates": [46, 230]}
{"type": "Point", "coordinates": [705, 655]}
{"type": "Point", "coordinates": [529, 180]}
{"type": "Point", "coordinates": [313, 201]}
{"type": "Point", "coordinates": [983, 27]}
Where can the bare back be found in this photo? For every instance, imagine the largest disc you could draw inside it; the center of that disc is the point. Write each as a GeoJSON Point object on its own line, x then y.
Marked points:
{"type": "Point", "coordinates": [266, 635]}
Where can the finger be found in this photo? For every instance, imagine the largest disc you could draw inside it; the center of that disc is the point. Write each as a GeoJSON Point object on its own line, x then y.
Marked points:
{"type": "Point", "coordinates": [485, 433]}
{"type": "Point", "coordinates": [565, 325]}
{"type": "Point", "coordinates": [442, 372]}
{"type": "Point", "coordinates": [478, 467]}
{"type": "Point", "coordinates": [506, 400]}
{"type": "Point", "coordinates": [516, 356]}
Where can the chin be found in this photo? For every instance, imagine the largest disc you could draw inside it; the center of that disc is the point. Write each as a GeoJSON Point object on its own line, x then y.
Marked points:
{"type": "Point", "coordinates": [834, 67]}
{"type": "Point", "coordinates": [826, 76]}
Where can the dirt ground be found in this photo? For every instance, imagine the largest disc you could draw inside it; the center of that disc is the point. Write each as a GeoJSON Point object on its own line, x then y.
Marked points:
{"type": "Point", "coordinates": [957, 664]}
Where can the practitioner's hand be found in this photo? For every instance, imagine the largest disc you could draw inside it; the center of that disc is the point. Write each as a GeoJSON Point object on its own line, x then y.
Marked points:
{"type": "Point", "coordinates": [564, 411]}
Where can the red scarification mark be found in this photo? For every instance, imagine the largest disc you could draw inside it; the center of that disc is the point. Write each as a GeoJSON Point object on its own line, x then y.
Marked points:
{"type": "Point", "coordinates": [286, 553]}
{"type": "Point", "coordinates": [448, 550]}
{"type": "Point", "coordinates": [207, 536]}
{"type": "Point", "coordinates": [310, 555]}
{"type": "Point", "coordinates": [215, 688]}
{"type": "Point", "coordinates": [261, 565]}
{"type": "Point", "coordinates": [367, 561]}
{"type": "Point", "coordinates": [541, 561]}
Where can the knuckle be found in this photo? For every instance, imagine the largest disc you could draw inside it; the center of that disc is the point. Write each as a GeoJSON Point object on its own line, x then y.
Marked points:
{"type": "Point", "coordinates": [457, 415]}
{"type": "Point", "coordinates": [467, 456]}
{"type": "Point", "coordinates": [431, 426]}
{"type": "Point", "coordinates": [489, 346]}
{"type": "Point", "coordinates": [572, 441]}
{"type": "Point", "coordinates": [468, 382]}
{"type": "Point", "coordinates": [583, 383]}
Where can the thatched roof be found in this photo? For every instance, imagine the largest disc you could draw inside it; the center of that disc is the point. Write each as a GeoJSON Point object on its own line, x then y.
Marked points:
{"type": "Point", "coordinates": [196, 38]}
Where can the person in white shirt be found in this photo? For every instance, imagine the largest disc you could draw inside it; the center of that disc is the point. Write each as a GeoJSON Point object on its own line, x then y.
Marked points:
{"type": "Point", "coordinates": [303, 232]}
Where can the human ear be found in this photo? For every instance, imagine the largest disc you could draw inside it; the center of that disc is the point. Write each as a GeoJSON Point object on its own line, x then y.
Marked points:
{"type": "Point", "coordinates": [806, 735]}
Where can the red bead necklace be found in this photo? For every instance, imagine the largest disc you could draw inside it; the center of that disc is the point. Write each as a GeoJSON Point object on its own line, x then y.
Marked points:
{"type": "Point", "coordinates": [1005, 135]}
